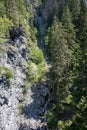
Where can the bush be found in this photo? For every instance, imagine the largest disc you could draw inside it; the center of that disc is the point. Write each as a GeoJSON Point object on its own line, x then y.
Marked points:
{"type": "Point", "coordinates": [52, 121]}
{"type": "Point", "coordinates": [61, 125]}
{"type": "Point", "coordinates": [32, 72]}
{"type": "Point", "coordinates": [36, 72]}
{"type": "Point", "coordinates": [5, 25]}
{"type": "Point", "coordinates": [8, 74]}
{"type": "Point", "coordinates": [36, 56]}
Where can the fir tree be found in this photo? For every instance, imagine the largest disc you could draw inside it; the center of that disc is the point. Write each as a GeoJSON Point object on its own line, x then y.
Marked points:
{"type": "Point", "coordinates": [69, 26]}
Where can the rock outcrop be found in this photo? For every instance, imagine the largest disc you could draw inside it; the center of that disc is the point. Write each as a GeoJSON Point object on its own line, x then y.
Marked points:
{"type": "Point", "coordinates": [14, 61]}
{"type": "Point", "coordinates": [10, 94]}
{"type": "Point", "coordinates": [15, 33]}
{"type": "Point", "coordinates": [35, 106]}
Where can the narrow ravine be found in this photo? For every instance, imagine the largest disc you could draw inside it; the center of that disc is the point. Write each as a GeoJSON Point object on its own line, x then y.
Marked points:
{"type": "Point", "coordinates": [41, 43]}
{"type": "Point", "coordinates": [37, 97]}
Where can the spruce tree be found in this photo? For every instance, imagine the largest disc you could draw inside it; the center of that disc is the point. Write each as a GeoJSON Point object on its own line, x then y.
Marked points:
{"type": "Point", "coordinates": [69, 26]}
{"type": "Point", "coordinates": [75, 6]}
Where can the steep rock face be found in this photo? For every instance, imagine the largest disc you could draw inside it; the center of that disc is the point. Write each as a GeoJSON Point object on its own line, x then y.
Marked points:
{"type": "Point", "coordinates": [10, 94]}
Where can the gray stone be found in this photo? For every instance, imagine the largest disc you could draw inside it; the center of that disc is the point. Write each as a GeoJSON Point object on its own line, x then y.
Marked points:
{"type": "Point", "coordinates": [10, 97]}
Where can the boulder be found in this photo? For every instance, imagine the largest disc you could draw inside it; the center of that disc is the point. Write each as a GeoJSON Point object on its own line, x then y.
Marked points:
{"type": "Point", "coordinates": [15, 32]}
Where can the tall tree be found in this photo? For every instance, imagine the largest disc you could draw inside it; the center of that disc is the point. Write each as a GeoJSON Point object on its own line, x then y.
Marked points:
{"type": "Point", "coordinates": [60, 56]}
{"type": "Point", "coordinates": [69, 26]}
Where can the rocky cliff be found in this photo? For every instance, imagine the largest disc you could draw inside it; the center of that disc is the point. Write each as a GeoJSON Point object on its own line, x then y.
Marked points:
{"type": "Point", "coordinates": [24, 108]}
{"type": "Point", "coordinates": [11, 93]}
{"type": "Point", "coordinates": [13, 78]}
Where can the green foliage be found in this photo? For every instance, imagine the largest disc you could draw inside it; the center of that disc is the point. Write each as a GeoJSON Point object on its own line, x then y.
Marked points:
{"type": "Point", "coordinates": [66, 42]}
{"type": "Point", "coordinates": [36, 72]}
{"type": "Point", "coordinates": [36, 56]}
{"type": "Point", "coordinates": [2, 8]}
{"type": "Point", "coordinates": [5, 25]}
{"type": "Point", "coordinates": [59, 51]}
{"type": "Point", "coordinates": [68, 53]}
{"type": "Point", "coordinates": [36, 64]}
{"type": "Point", "coordinates": [26, 87]}
{"type": "Point", "coordinates": [52, 120]}
{"type": "Point", "coordinates": [32, 72]}
{"type": "Point", "coordinates": [69, 27]}
{"type": "Point", "coordinates": [75, 7]}
{"type": "Point", "coordinates": [7, 73]}
{"type": "Point", "coordinates": [20, 108]}
{"type": "Point", "coordinates": [2, 46]}
{"type": "Point", "coordinates": [61, 125]}
{"type": "Point", "coordinates": [15, 12]}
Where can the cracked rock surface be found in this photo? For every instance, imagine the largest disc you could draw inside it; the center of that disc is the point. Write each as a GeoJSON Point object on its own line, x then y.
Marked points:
{"type": "Point", "coordinates": [36, 99]}
{"type": "Point", "coordinates": [10, 95]}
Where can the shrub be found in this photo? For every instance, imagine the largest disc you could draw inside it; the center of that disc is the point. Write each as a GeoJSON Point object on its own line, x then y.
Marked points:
{"type": "Point", "coordinates": [37, 56]}
{"type": "Point", "coordinates": [5, 25]}
{"type": "Point", "coordinates": [52, 121]}
{"type": "Point", "coordinates": [36, 72]}
{"type": "Point", "coordinates": [32, 72]}
{"type": "Point", "coordinates": [8, 74]}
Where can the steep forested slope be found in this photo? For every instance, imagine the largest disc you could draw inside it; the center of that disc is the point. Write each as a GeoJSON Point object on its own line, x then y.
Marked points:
{"type": "Point", "coordinates": [66, 42]}
{"type": "Point", "coordinates": [30, 32]}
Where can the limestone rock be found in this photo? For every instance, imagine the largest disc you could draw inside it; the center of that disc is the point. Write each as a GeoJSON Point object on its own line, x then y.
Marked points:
{"type": "Point", "coordinates": [10, 96]}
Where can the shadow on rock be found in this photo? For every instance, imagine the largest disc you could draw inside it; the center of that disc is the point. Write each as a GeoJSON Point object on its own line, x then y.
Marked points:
{"type": "Point", "coordinates": [34, 110]}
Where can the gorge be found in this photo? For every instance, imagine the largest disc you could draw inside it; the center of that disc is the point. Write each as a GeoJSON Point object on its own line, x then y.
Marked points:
{"type": "Point", "coordinates": [43, 65]}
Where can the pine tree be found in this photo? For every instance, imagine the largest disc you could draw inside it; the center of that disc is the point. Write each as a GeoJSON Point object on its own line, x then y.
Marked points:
{"type": "Point", "coordinates": [75, 6]}
{"type": "Point", "coordinates": [69, 26]}
{"type": "Point", "coordinates": [11, 10]}
{"type": "Point", "coordinates": [55, 10]}
{"type": "Point", "coordinates": [2, 8]}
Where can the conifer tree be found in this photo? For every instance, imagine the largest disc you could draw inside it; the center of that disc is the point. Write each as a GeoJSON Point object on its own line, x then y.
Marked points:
{"type": "Point", "coordinates": [11, 10]}
{"type": "Point", "coordinates": [75, 6]}
{"type": "Point", "coordinates": [69, 26]}
{"type": "Point", "coordinates": [60, 56]}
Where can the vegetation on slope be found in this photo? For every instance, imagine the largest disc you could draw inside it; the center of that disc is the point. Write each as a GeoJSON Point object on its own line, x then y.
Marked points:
{"type": "Point", "coordinates": [66, 42]}
{"type": "Point", "coordinates": [16, 13]}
